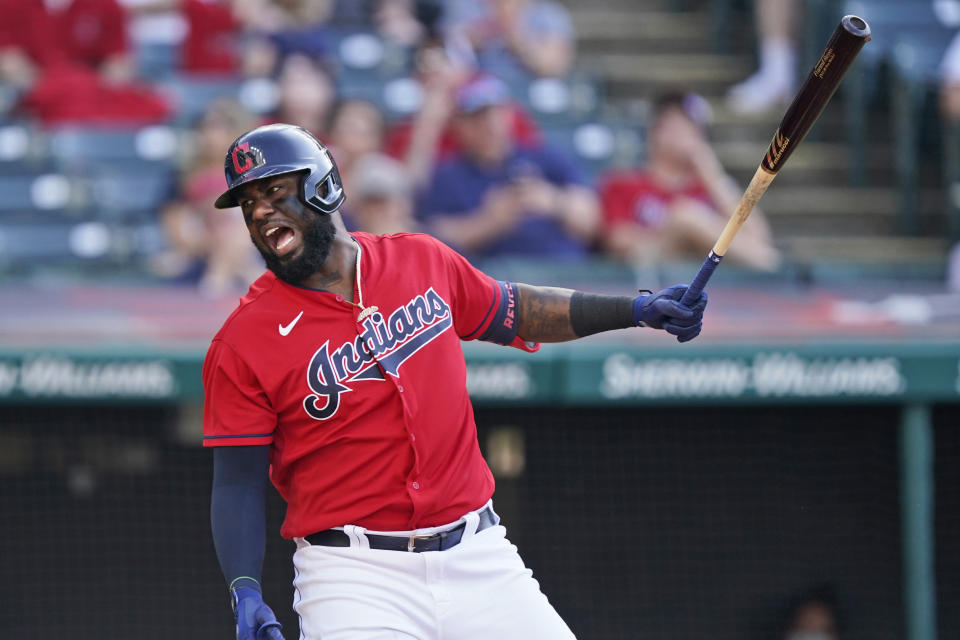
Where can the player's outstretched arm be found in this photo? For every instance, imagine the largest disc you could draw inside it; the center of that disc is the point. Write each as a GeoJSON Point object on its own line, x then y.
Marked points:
{"type": "Point", "coordinates": [238, 524]}
{"type": "Point", "coordinates": [551, 314]}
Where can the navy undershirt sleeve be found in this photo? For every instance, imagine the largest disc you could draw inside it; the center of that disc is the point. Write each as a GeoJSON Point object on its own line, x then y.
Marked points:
{"type": "Point", "coordinates": [237, 516]}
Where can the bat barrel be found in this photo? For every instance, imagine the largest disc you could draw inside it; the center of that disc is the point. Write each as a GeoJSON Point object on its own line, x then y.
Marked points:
{"type": "Point", "coordinates": [856, 26]}
{"type": "Point", "coordinates": [844, 45]}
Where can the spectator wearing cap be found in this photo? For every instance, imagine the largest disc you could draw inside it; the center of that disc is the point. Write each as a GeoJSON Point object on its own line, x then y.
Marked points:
{"type": "Point", "coordinates": [532, 36]}
{"type": "Point", "coordinates": [425, 139]}
{"type": "Point", "coordinates": [497, 199]}
{"type": "Point", "coordinates": [676, 206]}
{"type": "Point", "coordinates": [380, 196]}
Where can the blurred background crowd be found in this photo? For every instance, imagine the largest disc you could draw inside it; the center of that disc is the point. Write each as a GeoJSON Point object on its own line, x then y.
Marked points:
{"type": "Point", "coordinates": [600, 144]}
{"type": "Point", "coordinates": [511, 129]}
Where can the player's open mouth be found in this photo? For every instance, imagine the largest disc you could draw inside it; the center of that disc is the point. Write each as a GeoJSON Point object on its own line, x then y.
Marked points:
{"type": "Point", "coordinates": [281, 238]}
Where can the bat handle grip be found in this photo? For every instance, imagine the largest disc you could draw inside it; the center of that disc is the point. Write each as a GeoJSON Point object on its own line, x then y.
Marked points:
{"type": "Point", "coordinates": [700, 281]}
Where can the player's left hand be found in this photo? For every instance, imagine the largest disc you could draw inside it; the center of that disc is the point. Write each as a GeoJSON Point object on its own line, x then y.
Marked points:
{"type": "Point", "coordinates": [255, 620]}
{"type": "Point", "coordinates": [663, 310]}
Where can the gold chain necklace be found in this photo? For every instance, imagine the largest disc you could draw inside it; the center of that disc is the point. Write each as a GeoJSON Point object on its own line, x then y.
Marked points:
{"type": "Point", "coordinates": [364, 311]}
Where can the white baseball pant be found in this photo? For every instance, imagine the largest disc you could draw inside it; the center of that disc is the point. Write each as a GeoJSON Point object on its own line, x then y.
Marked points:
{"type": "Point", "coordinates": [477, 589]}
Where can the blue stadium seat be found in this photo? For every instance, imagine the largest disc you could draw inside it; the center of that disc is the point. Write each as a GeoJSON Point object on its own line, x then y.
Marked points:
{"type": "Point", "coordinates": [77, 147]}
{"type": "Point", "coordinates": [599, 145]}
{"type": "Point", "coordinates": [555, 102]}
{"type": "Point", "coordinates": [26, 193]}
{"type": "Point", "coordinates": [22, 149]}
{"type": "Point", "coordinates": [61, 242]}
{"type": "Point", "coordinates": [363, 52]}
{"type": "Point", "coordinates": [191, 95]}
{"type": "Point", "coordinates": [134, 191]}
{"type": "Point", "coordinates": [397, 96]}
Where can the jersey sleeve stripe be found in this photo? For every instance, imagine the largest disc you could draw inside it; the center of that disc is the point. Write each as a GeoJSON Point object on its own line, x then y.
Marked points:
{"type": "Point", "coordinates": [493, 305]}
{"type": "Point", "coordinates": [240, 435]}
{"type": "Point", "coordinates": [503, 328]}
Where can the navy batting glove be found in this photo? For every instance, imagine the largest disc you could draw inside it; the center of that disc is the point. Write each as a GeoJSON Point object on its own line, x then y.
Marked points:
{"type": "Point", "coordinates": [255, 620]}
{"type": "Point", "coordinates": [662, 310]}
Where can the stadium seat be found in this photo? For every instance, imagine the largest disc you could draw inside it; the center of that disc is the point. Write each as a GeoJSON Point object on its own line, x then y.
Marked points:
{"type": "Point", "coordinates": [22, 148]}
{"type": "Point", "coordinates": [64, 243]}
{"type": "Point", "coordinates": [76, 147]}
{"type": "Point", "coordinates": [39, 194]}
{"type": "Point", "coordinates": [156, 60]}
{"type": "Point", "coordinates": [397, 96]}
{"type": "Point", "coordinates": [597, 146]}
{"type": "Point", "coordinates": [556, 102]}
{"type": "Point", "coordinates": [135, 191]}
{"type": "Point", "coordinates": [363, 52]}
{"type": "Point", "coordinates": [190, 95]}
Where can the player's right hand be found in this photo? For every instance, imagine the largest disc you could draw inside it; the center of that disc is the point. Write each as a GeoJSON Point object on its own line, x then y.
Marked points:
{"type": "Point", "coordinates": [255, 620]}
{"type": "Point", "coordinates": [663, 310]}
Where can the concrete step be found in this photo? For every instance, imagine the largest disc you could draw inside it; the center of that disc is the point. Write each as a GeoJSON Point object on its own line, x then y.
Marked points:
{"type": "Point", "coordinates": [812, 164]}
{"type": "Point", "coordinates": [866, 248]}
{"type": "Point", "coordinates": [632, 31]}
{"type": "Point", "coordinates": [833, 201]}
{"type": "Point", "coordinates": [632, 76]}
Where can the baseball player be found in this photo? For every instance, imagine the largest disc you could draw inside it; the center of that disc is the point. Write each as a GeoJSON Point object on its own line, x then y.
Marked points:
{"type": "Point", "coordinates": [340, 376]}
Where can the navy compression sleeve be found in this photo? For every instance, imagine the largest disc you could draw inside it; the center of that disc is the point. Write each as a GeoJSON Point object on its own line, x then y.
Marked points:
{"type": "Point", "coordinates": [237, 512]}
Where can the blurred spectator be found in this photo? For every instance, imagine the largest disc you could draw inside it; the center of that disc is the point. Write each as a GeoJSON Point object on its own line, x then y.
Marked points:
{"type": "Point", "coordinates": [953, 270]}
{"type": "Point", "coordinates": [814, 615]}
{"type": "Point", "coordinates": [774, 82]}
{"type": "Point", "coordinates": [356, 130]}
{"type": "Point", "coordinates": [213, 41]}
{"type": "Point", "coordinates": [207, 244]}
{"type": "Point", "coordinates": [71, 59]}
{"type": "Point", "coordinates": [306, 95]}
{"type": "Point", "coordinates": [276, 29]}
{"type": "Point", "coordinates": [679, 202]}
{"type": "Point", "coordinates": [508, 35]}
{"type": "Point", "coordinates": [495, 198]}
{"type": "Point", "coordinates": [380, 198]}
{"type": "Point", "coordinates": [157, 30]}
{"type": "Point", "coordinates": [950, 80]}
{"type": "Point", "coordinates": [429, 136]}
{"type": "Point", "coordinates": [396, 21]}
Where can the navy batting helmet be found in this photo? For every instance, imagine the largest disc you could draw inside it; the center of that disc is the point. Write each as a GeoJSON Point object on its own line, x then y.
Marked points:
{"type": "Point", "coordinates": [276, 149]}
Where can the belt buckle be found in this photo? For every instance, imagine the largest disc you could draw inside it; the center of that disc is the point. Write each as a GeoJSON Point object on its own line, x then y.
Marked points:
{"type": "Point", "coordinates": [412, 540]}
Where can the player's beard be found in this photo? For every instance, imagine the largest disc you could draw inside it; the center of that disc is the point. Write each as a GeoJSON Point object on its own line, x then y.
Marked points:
{"type": "Point", "coordinates": [318, 236]}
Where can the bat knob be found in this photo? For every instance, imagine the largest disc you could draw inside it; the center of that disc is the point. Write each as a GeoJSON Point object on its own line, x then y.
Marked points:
{"type": "Point", "coordinates": [856, 26]}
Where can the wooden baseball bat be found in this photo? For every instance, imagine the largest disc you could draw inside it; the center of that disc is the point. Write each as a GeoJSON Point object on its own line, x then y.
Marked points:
{"type": "Point", "coordinates": [844, 45]}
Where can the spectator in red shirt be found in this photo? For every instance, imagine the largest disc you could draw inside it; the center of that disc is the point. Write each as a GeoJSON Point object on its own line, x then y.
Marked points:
{"type": "Point", "coordinates": [676, 206]}
{"type": "Point", "coordinates": [91, 33]}
{"type": "Point", "coordinates": [213, 37]}
{"type": "Point", "coordinates": [72, 58]}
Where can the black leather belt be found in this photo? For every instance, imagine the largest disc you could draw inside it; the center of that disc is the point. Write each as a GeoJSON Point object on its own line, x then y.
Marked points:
{"type": "Point", "coordinates": [415, 544]}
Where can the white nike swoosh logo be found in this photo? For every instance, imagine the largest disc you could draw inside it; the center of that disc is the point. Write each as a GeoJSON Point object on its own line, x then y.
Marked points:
{"type": "Point", "coordinates": [284, 330]}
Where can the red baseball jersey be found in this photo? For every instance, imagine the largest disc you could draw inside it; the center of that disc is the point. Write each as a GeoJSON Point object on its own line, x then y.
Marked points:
{"type": "Point", "coordinates": [636, 197]}
{"type": "Point", "coordinates": [367, 414]}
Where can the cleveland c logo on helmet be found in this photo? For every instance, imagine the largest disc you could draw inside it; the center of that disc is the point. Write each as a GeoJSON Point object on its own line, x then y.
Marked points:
{"type": "Point", "coordinates": [242, 159]}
